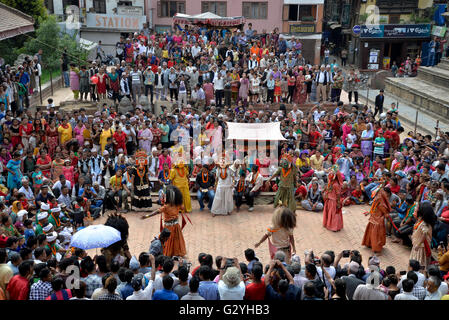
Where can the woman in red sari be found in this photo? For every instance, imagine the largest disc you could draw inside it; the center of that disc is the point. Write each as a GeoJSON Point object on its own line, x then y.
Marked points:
{"type": "Point", "coordinates": [375, 234]}
{"type": "Point", "coordinates": [52, 137]}
{"type": "Point", "coordinates": [101, 84]}
{"type": "Point", "coordinates": [119, 138]}
{"type": "Point", "coordinates": [332, 215]}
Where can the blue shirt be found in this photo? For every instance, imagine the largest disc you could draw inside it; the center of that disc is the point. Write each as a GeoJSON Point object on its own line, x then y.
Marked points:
{"type": "Point", "coordinates": [165, 295]}
{"type": "Point", "coordinates": [126, 291]}
{"type": "Point", "coordinates": [28, 233]}
{"type": "Point", "coordinates": [208, 290]}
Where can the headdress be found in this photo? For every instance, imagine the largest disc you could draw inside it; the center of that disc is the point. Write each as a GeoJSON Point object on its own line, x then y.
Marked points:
{"type": "Point", "coordinates": [141, 158]}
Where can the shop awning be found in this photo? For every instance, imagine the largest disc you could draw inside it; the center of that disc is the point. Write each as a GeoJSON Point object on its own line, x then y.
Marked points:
{"type": "Point", "coordinates": [255, 131]}
{"type": "Point", "coordinates": [13, 22]}
{"type": "Point", "coordinates": [208, 18]}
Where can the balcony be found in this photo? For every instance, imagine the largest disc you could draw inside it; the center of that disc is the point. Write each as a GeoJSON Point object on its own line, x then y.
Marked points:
{"type": "Point", "coordinates": [397, 6]}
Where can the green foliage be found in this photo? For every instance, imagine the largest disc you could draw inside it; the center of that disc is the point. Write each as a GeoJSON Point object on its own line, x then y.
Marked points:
{"type": "Point", "coordinates": [363, 17]}
{"type": "Point", "coordinates": [34, 8]}
{"type": "Point", "coordinates": [52, 41]}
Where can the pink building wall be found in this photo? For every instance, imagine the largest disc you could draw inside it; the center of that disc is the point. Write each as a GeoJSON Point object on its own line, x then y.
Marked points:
{"type": "Point", "coordinates": [233, 8]}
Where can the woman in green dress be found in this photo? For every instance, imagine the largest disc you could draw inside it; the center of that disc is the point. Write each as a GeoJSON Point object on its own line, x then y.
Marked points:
{"type": "Point", "coordinates": [285, 194]}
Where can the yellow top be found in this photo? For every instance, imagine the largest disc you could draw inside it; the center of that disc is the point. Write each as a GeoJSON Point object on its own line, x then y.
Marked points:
{"type": "Point", "coordinates": [66, 133]}
{"type": "Point", "coordinates": [105, 134]}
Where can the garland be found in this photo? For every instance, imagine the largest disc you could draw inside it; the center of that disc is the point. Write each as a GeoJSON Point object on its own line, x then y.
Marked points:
{"type": "Point", "coordinates": [202, 176]}
{"type": "Point", "coordinates": [225, 173]}
{"type": "Point", "coordinates": [255, 178]}
{"type": "Point", "coordinates": [284, 174]}
{"type": "Point", "coordinates": [416, 226]}
{"type": "Point", "coordinates": [241, 186]}
{"type": "Point", "coordinates": [166, 176]}
{"type": "Point", "coordinates": [183, 173]}
{"type": "Point", "coordinates": [57, 221]}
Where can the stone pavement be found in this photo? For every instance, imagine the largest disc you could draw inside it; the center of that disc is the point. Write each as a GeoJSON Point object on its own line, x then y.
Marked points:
{"type": "Point", "coordinates": [231, 235]}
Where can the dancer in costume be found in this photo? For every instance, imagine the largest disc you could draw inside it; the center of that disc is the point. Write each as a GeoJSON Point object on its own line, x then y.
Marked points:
{"type": "Point", "coordinates": [375, 234]}
{"type": "Point", "coordinates": [175, 245]}
{"type": "Point", "coordinates": [141, 183]}
{"type": "Point", "coordinates": [332, 214]}
{"type": "Point", "coordinates": [179, 176]}
{"type": "Point", "coordinates": [223, 201]}
{"type": "Point", "coordinates": [285, 194]}
{"type": "Point", "coordinates": [283, 222]}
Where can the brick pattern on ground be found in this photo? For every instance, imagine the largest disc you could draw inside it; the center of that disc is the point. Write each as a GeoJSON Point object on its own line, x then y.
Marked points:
{"type": "Point", "coordinates": [231, 235]}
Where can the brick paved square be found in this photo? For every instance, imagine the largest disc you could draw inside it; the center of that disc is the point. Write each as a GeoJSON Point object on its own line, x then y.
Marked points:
{"type": "Point", "coordinates": [230, 235]}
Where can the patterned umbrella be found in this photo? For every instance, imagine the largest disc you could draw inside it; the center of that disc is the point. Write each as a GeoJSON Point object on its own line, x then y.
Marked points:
{"type": "Point", "coordinates": [95, 236]}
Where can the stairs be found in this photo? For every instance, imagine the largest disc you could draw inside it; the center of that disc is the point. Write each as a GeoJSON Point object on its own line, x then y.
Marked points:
{"type": "Point", "coordinates": [428, 92]}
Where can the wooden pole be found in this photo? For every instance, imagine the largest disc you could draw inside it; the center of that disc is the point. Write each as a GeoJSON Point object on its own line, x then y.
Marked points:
{"type": "Point", "coordinates": [416, 120]}
{"type": "Point", "coordinates": [51, 81]}
{"type": "Point", "coordinates": [40, 89]}
{"type": "Point", "coordinates": [437, 127]}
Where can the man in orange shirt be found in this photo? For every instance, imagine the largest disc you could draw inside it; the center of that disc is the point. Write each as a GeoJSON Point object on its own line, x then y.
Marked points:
{"type": "Point", "coordinates": [255, 50]}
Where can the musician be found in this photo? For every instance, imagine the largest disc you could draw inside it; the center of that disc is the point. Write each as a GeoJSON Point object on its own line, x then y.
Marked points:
{"type": "Point", "coordinates": [205, 183]}
{"type": "Point", "coordinates": [240, 190]}
{"type": "Point", "coordinates": [255, 183]}
{"type": "Point", "coordinates": [164, 181]}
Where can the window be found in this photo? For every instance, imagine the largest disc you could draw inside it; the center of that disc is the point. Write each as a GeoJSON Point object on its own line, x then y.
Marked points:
{"type": "Point", "coordinates": [394, 19]}
{"type": "Point", "coordinates": [217, 7]}
{"type": "Point", "coordinates": [170, 8]}
{"type": "Point", "coordinates": [100, 6]}
{"type": "Point", "coordinates": [300, 13]}
{"type": "Point", "coordinates": [124, 4]}
{"type": "Point", "coordinates": [255, 10]}
{"type": "Point", "coordinates": [49, 5]}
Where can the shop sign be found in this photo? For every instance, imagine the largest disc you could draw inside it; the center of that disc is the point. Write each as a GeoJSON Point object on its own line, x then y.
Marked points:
{"type": "Point", "coordinates": [302, 28]}
{"type": "Point", "coordinates": [392, 31]}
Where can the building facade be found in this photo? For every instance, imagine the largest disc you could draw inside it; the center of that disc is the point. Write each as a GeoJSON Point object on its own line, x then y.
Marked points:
{"type": "Point", "coordinates": [103, 20]}
{"type": "Point", "coordinates": [390, 30]}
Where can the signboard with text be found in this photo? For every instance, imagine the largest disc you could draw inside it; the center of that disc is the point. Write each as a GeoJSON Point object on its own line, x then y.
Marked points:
{"type": "Point", "coordinates": [393, 31]}
{"type": "Point", "coordinates": [302, 28]}
{"type": "Point", "coordinates": [114, 21]}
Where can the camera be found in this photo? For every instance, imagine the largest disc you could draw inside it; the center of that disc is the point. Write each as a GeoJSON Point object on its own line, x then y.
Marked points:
{"type": "Point", "coordinates": [316, 261]}
{"type": "Point", "coordinates": [229, 262]}
{"type": "Point", "coordinates": [402, 272]}
{"type": "Point", "coordinates": [346, 253]}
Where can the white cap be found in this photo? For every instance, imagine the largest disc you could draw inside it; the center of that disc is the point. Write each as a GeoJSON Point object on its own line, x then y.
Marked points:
{"type": "Point", "coordinates": [105, 152]}
{"type": "Point", "coordinates": [21, 213]}
{"type": "Point", "coordinates": [45, 206]}
{"type": "Point", "coordinates": [57, 209]}
{"type": "Point", "coordinates": [42, 215]}
{"type": "Point", "coordinates": [52, 236]}
{"type": "Point", "coordinates": [47, 228]}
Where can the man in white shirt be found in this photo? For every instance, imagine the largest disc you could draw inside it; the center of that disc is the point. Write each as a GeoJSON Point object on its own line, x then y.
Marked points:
{"type": "Point", "coordinates": [195, 50]}
{"type": "Point", "coordinates": [219, 89]}
{"type": "Point", "coordinates": [296, 113]}
{"type": "Point", "coordinates": [231, 286]}
{"type": "Point", "coordinates": [26, 190]}
{"type": "Point", "coordinates": [59, 184]}
{"type": "Point", "coordinates": [124, 86]}
{"type": "Point", "coordinates": [407, 294]}
{"type": "Point", "coordinates": [323, 78]}
{"type": "Point", "coordinates": [136, 81]}
{"type": "Point", "coordinates": [414, 266]}
{"type": "Point", "coordinates": [433, 283]}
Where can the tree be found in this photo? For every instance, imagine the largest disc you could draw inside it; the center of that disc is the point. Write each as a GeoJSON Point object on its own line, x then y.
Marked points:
{"type": "Point", "coordinates": [33, 8]}
{"type": "Point", "coordinates": [52, 41]}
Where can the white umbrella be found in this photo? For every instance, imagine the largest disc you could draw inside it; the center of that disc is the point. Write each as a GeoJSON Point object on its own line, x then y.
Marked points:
{"type": "Point", "coordinates": [95, 236]}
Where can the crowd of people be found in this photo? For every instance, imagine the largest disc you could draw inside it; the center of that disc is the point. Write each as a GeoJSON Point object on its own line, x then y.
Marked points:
{"type": "Point", "coordinates": [62, 170]}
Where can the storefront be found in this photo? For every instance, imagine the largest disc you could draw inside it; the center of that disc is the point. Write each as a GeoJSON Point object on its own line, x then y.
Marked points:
{"type": "Point", "coordinates": [380, 45]}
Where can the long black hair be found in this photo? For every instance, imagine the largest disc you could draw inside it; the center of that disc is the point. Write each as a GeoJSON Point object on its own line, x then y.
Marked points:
{"type": "Point", "coordinates": [173, 196]}
{"type": "Point", "coordinates": [426, 212]}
